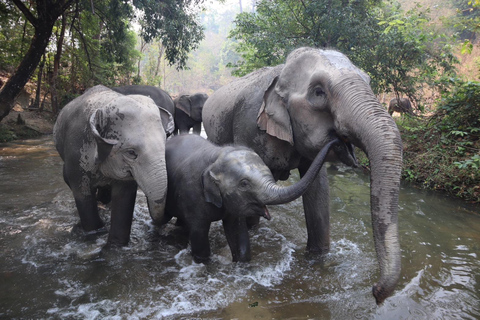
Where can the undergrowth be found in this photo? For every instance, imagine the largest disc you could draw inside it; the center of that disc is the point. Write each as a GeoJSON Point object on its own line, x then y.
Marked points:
{"type": "Point", "coordinates": [442, 152]}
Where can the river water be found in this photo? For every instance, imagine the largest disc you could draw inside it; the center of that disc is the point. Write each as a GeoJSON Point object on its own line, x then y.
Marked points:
{"type": "Point", "coordinates": [48, 271]}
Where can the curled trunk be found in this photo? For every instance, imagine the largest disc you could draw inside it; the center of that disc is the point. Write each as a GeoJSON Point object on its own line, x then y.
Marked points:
{"type": "Point", "coordinates": [276, 194]}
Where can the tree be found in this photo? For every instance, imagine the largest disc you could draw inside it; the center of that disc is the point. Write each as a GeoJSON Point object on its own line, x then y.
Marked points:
{"type": "Point", "coordinates": [47, 12]}
{"type": "Point", "coordinates": [171, 20]}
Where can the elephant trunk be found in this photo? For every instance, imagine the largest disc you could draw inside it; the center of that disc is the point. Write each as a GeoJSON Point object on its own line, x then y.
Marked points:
{"type": "Point", "coordinates": [153, 183]}
{"type": "Point", "coordinates": [275, 194]}
{"type": "Point", "coordinates": [368, 125]}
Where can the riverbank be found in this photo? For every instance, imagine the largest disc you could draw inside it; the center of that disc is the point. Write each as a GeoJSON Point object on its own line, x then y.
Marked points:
{"type": "Point", "coordinates": [26, 124]}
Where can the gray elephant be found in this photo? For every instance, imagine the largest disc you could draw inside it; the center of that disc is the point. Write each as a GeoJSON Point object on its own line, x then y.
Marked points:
{"type": "Point", "coordinates": [159, 96]}
{"type": "Point", "coordinates": [289, 112]}
{"type": "Point", "coordinates": [109, 141]}
{"type": "Point", "coordinates": [401, 105]}
{"type": "Point", "coordinates": [188, 113]}
{"type": "Point", "coordinates": [207, 183]}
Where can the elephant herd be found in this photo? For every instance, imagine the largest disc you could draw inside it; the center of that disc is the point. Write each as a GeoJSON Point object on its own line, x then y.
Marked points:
{"type": "Point", "coordinates": [314, 108]}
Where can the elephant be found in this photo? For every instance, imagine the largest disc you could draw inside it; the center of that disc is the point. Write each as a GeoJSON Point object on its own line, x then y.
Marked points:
{"type": "Point", "coordinates": [288, 113]}
{"type": "Point", "coordinates": [208, 183]}
{"type": "Point", "coordinates": [159, 96]}
{"type": "Point", "coordinates": [401, 105]}
{"type": "Point", "coordinates": [188, 113]}
{"type": "Point", "coordinates": [112, 143]}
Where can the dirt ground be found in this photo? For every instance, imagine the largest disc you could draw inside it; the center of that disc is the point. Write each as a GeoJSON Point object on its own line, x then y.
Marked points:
{"type": "Point", "coordinates": [31, 122]}
{"type": "Point", "coordinates": [41, 122]}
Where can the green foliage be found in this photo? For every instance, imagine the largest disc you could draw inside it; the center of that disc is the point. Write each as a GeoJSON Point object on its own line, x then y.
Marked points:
{"type": "Point", "coordinates": [266, 37]}
{"type": "Point", "coordinates": [15, 35]}
{"type": "Point", "coordinates": [444, 151]}
{"type": "Point", "coordinates": [411, 55]}
{"type": "Point", "coordinates": [175, 24]}
{"type": "Point", "coordinates": [400, 50]}
{"type": "Point", "coordinates": [6, 134]}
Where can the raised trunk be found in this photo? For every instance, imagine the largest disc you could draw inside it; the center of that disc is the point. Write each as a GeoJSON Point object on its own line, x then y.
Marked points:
{"type": "Point", "coordinates": [368, 125]}
{"type": "Point", "coordinates": [276, 194]}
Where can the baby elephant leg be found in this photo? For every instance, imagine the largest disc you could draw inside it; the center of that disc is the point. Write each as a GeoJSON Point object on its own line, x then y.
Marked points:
{"type": "Point", "coordinates": [236, 231]}
{"type": "Point", "coordinates": [198, 235]}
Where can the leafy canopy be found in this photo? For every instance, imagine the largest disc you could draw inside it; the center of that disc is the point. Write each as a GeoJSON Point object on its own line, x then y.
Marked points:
{"type": "Point", "coordinates": [399, 50]}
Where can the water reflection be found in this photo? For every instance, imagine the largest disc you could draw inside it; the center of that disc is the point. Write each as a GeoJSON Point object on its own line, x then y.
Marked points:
{"type": "Point", "coordinates": [48, 271]}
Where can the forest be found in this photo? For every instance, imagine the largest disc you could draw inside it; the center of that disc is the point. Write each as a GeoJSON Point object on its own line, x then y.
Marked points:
{"type": "Point", "coordinates": [426, 51]}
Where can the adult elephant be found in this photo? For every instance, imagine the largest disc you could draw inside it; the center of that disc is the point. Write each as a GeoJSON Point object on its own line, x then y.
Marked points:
{"type": "Point", "coordinates": [401, 105]}
{"type": "Point", "coordinates": [109, 141]}
{"type": "Point", "coordinates": [159, 96]}
{"type": "Point", "coordinates": [289, 112]}
{"type": "Point", "coordinates": [188, 113]}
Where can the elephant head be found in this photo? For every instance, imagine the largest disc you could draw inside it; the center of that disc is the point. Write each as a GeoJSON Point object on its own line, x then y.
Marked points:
{"type": "Point", "coordinates": [241, 182]}
{"type": "Point", "coordinates": [401, 105]}
{"type": "Point", "coordinates": [319, 92]}
{"type": "Point", "coordinates": [192, 105]}
{"type": "Point", "coordinates": [130, 142]}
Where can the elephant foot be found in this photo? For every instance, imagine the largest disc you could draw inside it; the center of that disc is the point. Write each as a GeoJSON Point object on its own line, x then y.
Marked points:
{"type": "Point", "coordinates": [200, 259]}
{"type": "Point", "coordinates": [88, 235]}
{"type": "Point", "coordinates": [317, 251]}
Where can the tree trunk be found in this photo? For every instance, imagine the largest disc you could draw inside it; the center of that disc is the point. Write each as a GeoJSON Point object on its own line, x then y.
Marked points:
{"type": "Point", "coordinates": [36, 103]}
{"type": "Point", "coordinates": [48, 11]}
{"type": "Point", "coordinates": [56, 65]}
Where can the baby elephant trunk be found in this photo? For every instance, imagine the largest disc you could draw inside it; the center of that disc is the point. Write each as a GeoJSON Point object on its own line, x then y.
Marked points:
{"type": "Point", "coordinates": [276, 194]}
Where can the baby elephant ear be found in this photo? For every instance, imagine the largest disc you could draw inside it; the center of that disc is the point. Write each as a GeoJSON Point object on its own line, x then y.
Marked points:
{"type": "Point", "coordinates": [99, 124]}
{"type": "Point", "coordinates": [273, 116]}
{"type": "Point", "coordinates": [211, 192]}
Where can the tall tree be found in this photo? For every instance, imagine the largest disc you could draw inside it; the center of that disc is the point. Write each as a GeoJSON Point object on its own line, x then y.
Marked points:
{"type": "Point", "coordinates": [171, 20]}
{"type": "Point", "coordinates": [42, 19]}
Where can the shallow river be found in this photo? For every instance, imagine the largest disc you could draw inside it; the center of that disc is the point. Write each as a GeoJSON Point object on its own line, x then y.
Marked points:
{"type": "Point", "coordinates": [49, 272]}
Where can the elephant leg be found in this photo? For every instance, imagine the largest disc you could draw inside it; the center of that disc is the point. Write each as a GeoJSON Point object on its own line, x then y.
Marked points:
{"type": "Point", "coordinates": [236, 232]}
{"type": "Point", "coordinates": [86, 204]}
{"type": "Point", "coordinates": [197, 128]}
{"type": "Point", "coordinates": [252, 221]}
{"type": "Point", "coordinates": [88, 212]}
{"type": "Point", "coordinates": [199, 243]}
{"type": "Point", "coordinates": [123, 203]}
{"type": "Point", "coordinates": [317, 211]}
{"type": "Point", "coordinates": [104, 194]}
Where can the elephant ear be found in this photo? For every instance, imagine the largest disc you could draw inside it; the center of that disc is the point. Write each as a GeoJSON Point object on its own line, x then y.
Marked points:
{"type": "Point", "coordinates": [197, 101]}
{"type": "Point", "coordinates": [185, 104]}
{"type": "Point", "coordinates": [100, 125]}
{"type": "Point", "coordinates": [273, 116]}
{"type": "Point", "coordinates": [211, 192]}
{"type": "Point", "coordinates": [167, 121]}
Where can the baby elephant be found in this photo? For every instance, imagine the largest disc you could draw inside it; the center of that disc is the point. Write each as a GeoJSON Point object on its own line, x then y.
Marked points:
{"type": "Point", "coordinates": [401, 105]}
{"type": "Point", "coordinates": [207, 183]}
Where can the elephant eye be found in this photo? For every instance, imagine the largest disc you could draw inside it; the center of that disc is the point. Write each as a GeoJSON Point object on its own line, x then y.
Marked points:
{"type": "Point", "coordinates": [318, 92]}
{"type": "Point", "coordinates": [132, 154]}
{"type": "Point", "coordinates": [244, 184]}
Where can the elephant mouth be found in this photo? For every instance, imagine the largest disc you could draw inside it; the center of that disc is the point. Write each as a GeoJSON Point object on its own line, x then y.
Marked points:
{"type": "Point", "coordinates": [266, 213]}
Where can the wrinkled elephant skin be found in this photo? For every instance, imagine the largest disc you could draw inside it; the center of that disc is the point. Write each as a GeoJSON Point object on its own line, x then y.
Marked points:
{"type": "Point", "coordinates": [111, 143]}
{"type": "Point", "coordinates": [161, 98]}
